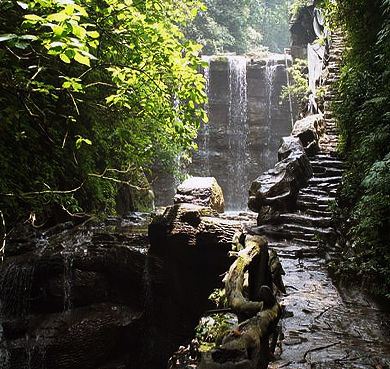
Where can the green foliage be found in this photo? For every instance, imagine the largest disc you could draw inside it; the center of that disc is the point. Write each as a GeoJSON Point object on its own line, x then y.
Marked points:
{"type": "Point", "coordinates": [363, 114]}
{"type": "Point", "coordinates": [241, 26]}
{"type": "Point", "coordinates": [218, 297]}
{"type": "Point", "coordinates": [299, 90]}
{"type": "Point", "coordinates": [89, 88]}
{"type": "Point", "coordinates": [297, 5]}
{"type": "Point", "coordinates": [213, 328]}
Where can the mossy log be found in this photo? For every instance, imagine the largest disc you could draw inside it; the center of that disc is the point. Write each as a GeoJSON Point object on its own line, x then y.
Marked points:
{"type": "Point", "coordinates": [247, 346]}
{"type": "Point", "coordinates": [253, 258]}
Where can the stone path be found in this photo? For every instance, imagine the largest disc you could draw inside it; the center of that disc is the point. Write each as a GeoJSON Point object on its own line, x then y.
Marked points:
{"type": "Point", "coordinates": [324, 326]}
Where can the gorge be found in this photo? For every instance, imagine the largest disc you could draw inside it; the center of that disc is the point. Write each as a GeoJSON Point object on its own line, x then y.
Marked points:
{"type": "Point", "coordinates": [128, 291]}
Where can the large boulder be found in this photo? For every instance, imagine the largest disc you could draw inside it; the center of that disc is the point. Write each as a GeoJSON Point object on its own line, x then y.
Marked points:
{"type": "Point", "coordinates": [202, 191]}
{"type": "Point", "coordinates": [276, 190]}
{"type": "Point", "coordinates": [309, 130]}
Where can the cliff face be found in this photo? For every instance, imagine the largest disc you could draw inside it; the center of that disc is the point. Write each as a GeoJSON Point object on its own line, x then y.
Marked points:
{"type": "Point", "coordinates": [246, 123]}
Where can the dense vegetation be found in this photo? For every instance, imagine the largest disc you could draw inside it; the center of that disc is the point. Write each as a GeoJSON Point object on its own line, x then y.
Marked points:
{"type": "Point", "coordinates": [363, 113]}
{"type": "Point", "coordinates": [241, 26]}
{"type": "Point", "coordinates": [97, 93]}
{"type": "Point", "coordinates": [91, 93]}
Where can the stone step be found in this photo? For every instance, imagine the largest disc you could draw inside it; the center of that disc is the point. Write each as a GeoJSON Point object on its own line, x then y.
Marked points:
{"type": "Point", "coordinates": [330, 81]}
{"type": "Point", "coordinates": [333, 132]}
{"type": "Point", "coordinates": [311, 198]}
{"type": "Point", "coordinates": [325, 156]}
{"type": "Point", "coordinates": [327, 172]}
{"type": "Point", "coordinates": [306, 232]}
{"type": "Point", "coordinates": [290, 250]}
{"type": "Point", "coordinates": [305, 205]}
{"type": "Point", "coordinates": [324, 181]}
{"type": "Point", "coordinates": [327, 163]}
{"type": "Point", "coordinates": [305, 219]}
{"type": "Point", "coordinates": [313, 191]}
{"type": "Point", "coordinates": [319, 213]}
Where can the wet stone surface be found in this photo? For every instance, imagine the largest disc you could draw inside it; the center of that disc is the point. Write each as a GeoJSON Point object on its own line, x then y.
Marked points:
{"type": "Point", "coordinates": [327, 327]}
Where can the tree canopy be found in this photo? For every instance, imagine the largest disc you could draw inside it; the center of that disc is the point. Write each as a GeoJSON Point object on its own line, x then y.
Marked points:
{"type": "Point", "coordinates": [90, 90]}
{"type": "Point", "coordinates": [241, 26]}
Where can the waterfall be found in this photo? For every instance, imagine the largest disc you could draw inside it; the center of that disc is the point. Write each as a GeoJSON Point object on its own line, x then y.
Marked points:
{"type": "Point", "coordinates": [270, 72]}
{"type": "Point", "coordinates": [246, 122]}
{"type": "Point", "coordinates": [236, 192]}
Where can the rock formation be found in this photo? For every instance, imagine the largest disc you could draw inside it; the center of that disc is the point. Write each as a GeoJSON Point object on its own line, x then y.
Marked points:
{"type": "Point", "coordinates": [74, 297]}
{"type": "Point", "coordinates": [203, 191]}
{"type": "Point", "coordinates": [246, 122]}
{"type": "Point", "coordinates": [310, 130]}
{"type": "Point", "coordinates": [276, 190]}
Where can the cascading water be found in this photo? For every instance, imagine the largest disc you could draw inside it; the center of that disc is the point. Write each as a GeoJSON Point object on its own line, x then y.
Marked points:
{"type": "Point", "coordinates": [246, 122]}
{"type": "Point", "coordinates": [270, 72]}
{"type": "Point", "coordinates": [236, 192]}
{"type": "Point", "coordinates": [204, 151]}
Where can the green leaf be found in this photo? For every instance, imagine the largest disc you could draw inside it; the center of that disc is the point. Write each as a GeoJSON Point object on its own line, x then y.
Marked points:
{"type": "Point", "coordinates": [33, 17]}
{"type": "Point", "coordinates": [57, 44]}
{"type": "Point", "coordinates": [80, 140]}
{"type": "Point", "coordinates": [22, 5]}
{"type": "Point", "coordinates": [82, 59]}
{"type": "Point", "coordinates": [64, 58]}
{"type": "Point", "coordinates": [28, 37]}
{"type": "Point", "coordinates": [78, 31]}
{"type": "Point", "coordinates": [93, 34]}
{"type": "Point", "coordinates": [57, 17]}
{"type": "Point", "coordinates": [58, 30]}
{"type": "Point", "coordinates": [22, 45]}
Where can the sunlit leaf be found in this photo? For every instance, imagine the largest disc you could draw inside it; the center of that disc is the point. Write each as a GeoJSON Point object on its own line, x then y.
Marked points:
{"type": "Point", "coordinates": [78, 31]}
{"type": "Point", "coordinates": [82, 59]}
{"type": "Point", "coordinates": [33, 17]}
{"type": "Point", "coordinates": [64, 58]}
{"type": "Point", "coordinates": [22, 5]}
{"type": "Point", "coordinates": [93, 34]}
{"type": "Point", "coordinates": [58, 17]}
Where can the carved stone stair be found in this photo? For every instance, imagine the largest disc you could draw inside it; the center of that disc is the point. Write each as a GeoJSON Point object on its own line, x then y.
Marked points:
{"type": "Point", "coordinates": [297, 234]}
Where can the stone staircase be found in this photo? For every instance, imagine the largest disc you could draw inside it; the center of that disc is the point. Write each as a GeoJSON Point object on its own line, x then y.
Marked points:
{"type": "Point", "coordinates": [298, 234]}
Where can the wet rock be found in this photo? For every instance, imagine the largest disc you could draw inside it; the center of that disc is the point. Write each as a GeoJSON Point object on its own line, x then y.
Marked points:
{"type": "Point", "coordinates": [276, 190]}
{"type": "Point", "coordinates": [82, 338]}
{"type": "Point", "coordinates": [76, 298]}
{"type": "Point", "coordinates": [193, 244]}
{"type": "Point", "coordinates": [202, 191]}
{"type": "Point", "coordinates": [309, 130]}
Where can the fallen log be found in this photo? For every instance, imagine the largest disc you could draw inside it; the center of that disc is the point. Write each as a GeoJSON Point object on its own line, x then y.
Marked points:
{"type": "Point", "coordinates": [247, 345]}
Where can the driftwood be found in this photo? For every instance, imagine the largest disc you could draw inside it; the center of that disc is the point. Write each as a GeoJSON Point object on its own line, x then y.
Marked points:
{"type": "Point", "coordinates": [247, 346]}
